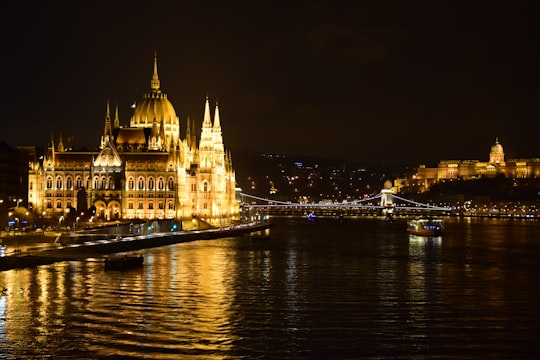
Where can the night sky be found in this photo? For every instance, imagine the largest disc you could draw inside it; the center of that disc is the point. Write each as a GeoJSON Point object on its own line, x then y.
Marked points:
{"type": "Point", "coordinates": [381, 82]}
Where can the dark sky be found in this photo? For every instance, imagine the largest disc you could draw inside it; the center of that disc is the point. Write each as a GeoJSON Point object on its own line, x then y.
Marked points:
{"type": "Point", "coordinates": [389, 82]}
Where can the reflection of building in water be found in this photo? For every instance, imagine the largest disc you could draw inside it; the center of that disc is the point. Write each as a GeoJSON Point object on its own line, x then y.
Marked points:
{"type": "Point", "coordinates": [470, 169]}
{"type": "Point", "coordinates": [143, 171]}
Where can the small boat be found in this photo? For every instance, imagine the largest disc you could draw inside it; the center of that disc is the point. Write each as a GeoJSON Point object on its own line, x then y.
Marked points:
{"type": "Point", "coordinates": [425, 226]}
{"type": "Point", "coordinates": [123, 262]}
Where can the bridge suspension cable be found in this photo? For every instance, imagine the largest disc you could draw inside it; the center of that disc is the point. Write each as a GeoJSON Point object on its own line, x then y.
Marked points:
{"type": "Point", "coordinates": [420, 204]}
{"type": "Point", "coordinates": [350, 204]}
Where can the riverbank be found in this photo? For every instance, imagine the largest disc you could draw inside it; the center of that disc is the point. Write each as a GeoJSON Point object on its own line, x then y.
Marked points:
{"type": "Point", "coordinates": [100, 245]}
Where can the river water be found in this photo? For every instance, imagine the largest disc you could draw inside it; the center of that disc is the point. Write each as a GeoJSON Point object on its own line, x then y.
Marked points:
{"type": "Point", "coordinates": [351, 289]}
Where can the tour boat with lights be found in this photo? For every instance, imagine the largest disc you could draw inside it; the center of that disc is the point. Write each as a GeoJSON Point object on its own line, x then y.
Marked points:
{"type": "Point", "coordinates": [123, 262]}
{"type": "Point", "coordinates": [425, 227]}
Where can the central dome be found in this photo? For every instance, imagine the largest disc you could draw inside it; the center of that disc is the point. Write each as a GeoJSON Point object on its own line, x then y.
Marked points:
{"type": "Point", "coordinates": [497, 148]}
{"type": "Point", "coordinates": [155, 106]}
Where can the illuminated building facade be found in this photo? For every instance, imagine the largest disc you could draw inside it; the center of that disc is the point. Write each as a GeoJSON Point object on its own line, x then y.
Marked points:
{"type": "Point", "coordinates": [470, 169]}
{"type": "Point", "coordinates": [144, 171]}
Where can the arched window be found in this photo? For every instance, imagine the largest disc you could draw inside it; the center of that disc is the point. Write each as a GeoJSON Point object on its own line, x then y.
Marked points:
{"type": "Point", "coordinates": [78, 182]}
{"type": "Point", "coordinates": [151, 206]}
{"type": "Point", "coordinates": [49, 183]}
{"type": "Point", "coordinates": [111, 183]}
{"type": "Point", "coordinates": [96, 182]}
{"type": "Point", "coordinates": [170, 205]}
{"type": "Point", "coordinates": [59, 183]}
{"type": "Point", "coordinates": [170, 184]}
{"type": "Point", "coordinates": [151, 183]}
{"type": "Point", "coordinates": [141, 183]}
{"type": "Point", "coordinates": [103, 183]}
{"type": "Point", "coordinates": [205, 186]}
{"type": "Point", "coordinates": [58, 204]}
{"type": "Point", "coordinates": [69, 183]}
{"type": "Point", "coordinates": [161, 183]}
{"type": "Point", "coordinates": [131, 184]}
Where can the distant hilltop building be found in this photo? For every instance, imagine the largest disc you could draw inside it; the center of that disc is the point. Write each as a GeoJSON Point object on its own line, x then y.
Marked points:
{"type": "Point", "coordinates": [469, 170]}
{"type": "Point", "coordinates": [144, 171]}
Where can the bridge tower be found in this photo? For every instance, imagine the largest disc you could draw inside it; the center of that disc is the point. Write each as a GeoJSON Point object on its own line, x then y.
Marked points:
{"type": "Point", "coordinates": [387, 202]}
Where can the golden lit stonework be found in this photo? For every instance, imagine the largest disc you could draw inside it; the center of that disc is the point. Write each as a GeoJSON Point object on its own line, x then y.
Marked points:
{"type": "Point", "coordinates": [425, 177]}
{"type": "Point", "coordinates": [144, 171]}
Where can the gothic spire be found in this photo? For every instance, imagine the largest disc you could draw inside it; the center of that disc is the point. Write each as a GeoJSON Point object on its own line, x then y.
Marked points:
{"type": "Point", "coordinates": [154, 84]}
{"type": "Point", "coordinates": [193, 134]}
{"type": "Point", "coordinates": [188, 132]}
{"type": "Point", "coordinates": [107, 131]}
{"type": "Point", "coordinates": [217, 125]}
{"type": "Point", "coordinates": [116, 118]}
{"type": "Point", "coordinates": [162, 132]}
{"type": "Point", "coordinates": [60, 143]}
{"type": "Point", "coordinates": [207, 122]}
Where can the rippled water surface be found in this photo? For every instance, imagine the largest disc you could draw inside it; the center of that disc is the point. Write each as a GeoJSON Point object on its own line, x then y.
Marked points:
{"type": "Point", "coordinates": [360, 288]}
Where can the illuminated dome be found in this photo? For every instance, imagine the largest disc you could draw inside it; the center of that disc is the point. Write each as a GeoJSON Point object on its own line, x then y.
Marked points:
{"type": "Point", "coordinates": [497, 148]}
{"type": "Point", "coordinates": [155, 105]}
{"type": "Point", "coordinates": [496, 154]}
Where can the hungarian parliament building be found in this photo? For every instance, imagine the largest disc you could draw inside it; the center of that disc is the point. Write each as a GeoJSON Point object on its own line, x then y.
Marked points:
{"type": "Point", "coordinates": [425, 177]}
{"type": "Point", "coordinates": [144, 171]}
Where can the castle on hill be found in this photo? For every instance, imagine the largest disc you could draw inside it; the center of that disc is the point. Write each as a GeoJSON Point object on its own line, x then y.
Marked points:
{"type": "Point", "coordinates": [448, 170]}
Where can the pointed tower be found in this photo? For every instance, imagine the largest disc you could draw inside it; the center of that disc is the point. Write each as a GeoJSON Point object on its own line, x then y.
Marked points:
{"type": "Point", "coordinates": [162, 140]}
{"type": "Point", "coordinates": [154, 83]}
{"type": "Point", "coordinates": [219, 151]}
{"type": "Point", "coordinates": [193, 134]}
{"type": "Point", "coordinates": [107, 131]}
{"type": "Point", "coordinates": [50, 159]}
{"type": "Point", "coordinates": [206, 144]}
{"type": "Point", "coordinates": [207, 122]}
{"type": "Point", "coordinates": [155, 104]}
{"type": "Point", "coordinates": [188, 134]}
{"type": "Point", "coordinates": [116, 118]}
{"type": "Point", "coordinates": [154, 137]}
{"type": "Point", "coordinates": [60, 144]}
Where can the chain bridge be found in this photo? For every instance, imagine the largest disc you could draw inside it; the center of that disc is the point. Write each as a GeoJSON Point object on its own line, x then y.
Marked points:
{"type": "Point", "coordinates": [385, 203]}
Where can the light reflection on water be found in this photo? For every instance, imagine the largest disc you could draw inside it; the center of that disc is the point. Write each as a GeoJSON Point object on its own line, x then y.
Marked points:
{"type": "Point", "coordinates": [331, 289]}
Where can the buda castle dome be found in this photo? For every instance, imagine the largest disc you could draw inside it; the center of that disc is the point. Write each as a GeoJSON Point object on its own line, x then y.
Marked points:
{"type": "Point", "coordinates": [496, 154]}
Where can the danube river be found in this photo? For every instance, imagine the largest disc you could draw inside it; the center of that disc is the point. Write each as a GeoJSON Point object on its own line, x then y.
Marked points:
{"type": "Point", "coordinates": [352, 289]}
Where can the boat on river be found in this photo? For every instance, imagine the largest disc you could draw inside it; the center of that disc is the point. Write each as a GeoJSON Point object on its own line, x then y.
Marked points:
{"type": "Point", "coordinates": [123, 262]}
{"type": "Point", "coordinates": [425, 227]}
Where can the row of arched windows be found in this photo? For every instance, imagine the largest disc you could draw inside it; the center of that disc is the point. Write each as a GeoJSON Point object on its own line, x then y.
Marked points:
{"type": "Point", "coordinates": [150, 184]}
{"type": "Point", "coordinates": [103, 183]}
{"type": "Point", "coordinates": [107, 183]}
{"type": "Point", "coordinates": [140, 205]}
{"type": "Point", "coordinates": [69, 183]}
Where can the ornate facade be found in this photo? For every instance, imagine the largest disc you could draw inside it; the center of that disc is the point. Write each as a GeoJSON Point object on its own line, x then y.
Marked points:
{"type": "Point", "coordinates": [470, 169]}
{"type": "Point", "coordinates": [144, 171]}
